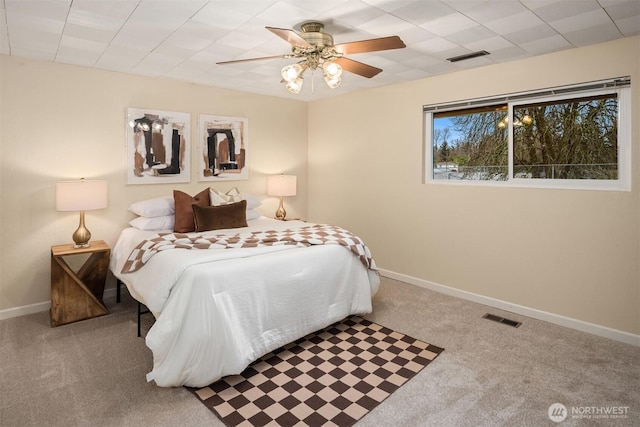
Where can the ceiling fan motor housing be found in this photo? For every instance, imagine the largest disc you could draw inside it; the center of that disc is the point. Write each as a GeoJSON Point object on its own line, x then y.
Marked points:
{"type": "Point", "coordinates": [312, 34]}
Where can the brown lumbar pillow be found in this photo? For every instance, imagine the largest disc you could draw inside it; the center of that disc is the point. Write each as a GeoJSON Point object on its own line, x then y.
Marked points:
{"type": "Point", "coordinates": [233, 215]}
{"type": "Point", "coordinates": [184, 211]}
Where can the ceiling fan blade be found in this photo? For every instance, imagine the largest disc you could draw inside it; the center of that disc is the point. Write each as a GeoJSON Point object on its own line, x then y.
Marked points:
{"type": "Point", "coordinates": [356, 67]}
{"type": "Point", "coordinates": [263, 58]}
{"type": "Point", "coordinates": [289, 36]}
{"type": "Point", "coordinates": [372, 45]}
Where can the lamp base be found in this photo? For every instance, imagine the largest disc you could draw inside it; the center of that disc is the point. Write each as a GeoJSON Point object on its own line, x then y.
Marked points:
{"type": "Point", "coordinates": [281, 213]}
{"type": "Point", "coordinates": [82, 235]}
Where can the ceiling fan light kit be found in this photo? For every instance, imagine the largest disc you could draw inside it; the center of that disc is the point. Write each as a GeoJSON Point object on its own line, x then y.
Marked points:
{"type": "Point", "coordinates": [317, 50]}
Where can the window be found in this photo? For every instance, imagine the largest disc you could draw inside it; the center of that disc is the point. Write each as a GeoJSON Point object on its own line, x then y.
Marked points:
{"type": "Point", "coordinates": [574, 137]}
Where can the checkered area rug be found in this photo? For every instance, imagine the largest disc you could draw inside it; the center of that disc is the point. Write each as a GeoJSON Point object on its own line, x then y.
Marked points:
{"type": "Point", "coordinates": [332, 377]}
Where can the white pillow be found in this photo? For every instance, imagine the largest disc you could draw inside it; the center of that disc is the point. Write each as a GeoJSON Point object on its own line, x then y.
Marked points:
{"type": "Point", "coordinates": [252, 202]}
{"type": "Point", "coordinates": [155, 223]}
{"type": "Point", "coordinates": [161, 206]}
{"type": "Point", "coordinates": [218, 198]}
{"type": "Point", "coordinates": [252, 214]}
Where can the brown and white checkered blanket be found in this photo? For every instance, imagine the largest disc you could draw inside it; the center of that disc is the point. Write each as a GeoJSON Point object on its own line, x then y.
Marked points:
{"type": "Point", "coordinates": [319, 234]}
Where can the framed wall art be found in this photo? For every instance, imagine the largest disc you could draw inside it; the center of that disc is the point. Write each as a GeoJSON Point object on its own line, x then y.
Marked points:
{"type": "Point", "coordinates": [222, 148]}
{"type": "Point", "coordinates": [157, 146]}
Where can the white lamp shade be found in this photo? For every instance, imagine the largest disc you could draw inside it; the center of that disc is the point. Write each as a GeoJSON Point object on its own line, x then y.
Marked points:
{"type": "Point", "coordinates": [281, 185]}
{"type": "Point", "coordinates": [81, 195]}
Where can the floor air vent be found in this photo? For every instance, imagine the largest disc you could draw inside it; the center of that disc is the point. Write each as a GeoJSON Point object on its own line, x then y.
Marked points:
{"type": "Point", "coordinates": [500, 319]}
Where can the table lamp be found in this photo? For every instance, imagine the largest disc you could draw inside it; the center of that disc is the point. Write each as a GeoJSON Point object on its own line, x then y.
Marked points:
{"type": "Point", "coordinates": [281, 185]}
{"type": "Point", "coordinates": [81, 196]}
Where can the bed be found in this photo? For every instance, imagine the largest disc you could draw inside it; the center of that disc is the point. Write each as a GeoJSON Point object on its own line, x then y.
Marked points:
{"type": "Point", "coordinates": [219, 309]}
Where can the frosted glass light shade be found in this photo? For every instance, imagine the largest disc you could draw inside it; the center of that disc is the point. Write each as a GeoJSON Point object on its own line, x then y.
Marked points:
{"type": "Point", "coordinates": [332, 70]}
{"type": "Point", "coordinates": [333, 82]}
{"type": "Point", "coordinates": [295, 86]}
{"type": "Point", "coordinates": [291, 72]}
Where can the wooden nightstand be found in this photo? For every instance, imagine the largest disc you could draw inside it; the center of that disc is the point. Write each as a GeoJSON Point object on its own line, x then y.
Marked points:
{"type": "Point", "coordinates": [78, 295]}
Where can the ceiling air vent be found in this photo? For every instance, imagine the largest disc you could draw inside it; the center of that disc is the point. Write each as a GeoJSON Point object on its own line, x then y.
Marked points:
{"type": "Point", "coordinates": [468, 56]}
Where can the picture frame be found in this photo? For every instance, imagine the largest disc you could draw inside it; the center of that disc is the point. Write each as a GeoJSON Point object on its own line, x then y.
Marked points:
{"type": "Point", "coordinates": [158, 146]}
{"type": "Point", "coordinates": [223, 147]}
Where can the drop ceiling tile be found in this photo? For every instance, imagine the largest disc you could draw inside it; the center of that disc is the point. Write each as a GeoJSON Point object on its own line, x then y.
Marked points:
{"type": "Point", "coordinates": [33, 51]}
{"type": "Point", "coordinates": [415, 35]}
{"type": "Point", "coordinates": [34, 40]}
{"type": "Point", "coordinates": [318, 7]}
{"type": "Point", "coordinates": [546, 45]}
{"type": "Point", "coordinates": [420, 12]}
{"type": "Point", "coordinates": [56, 10]}
{"type": "Point", "coordinates": [629, 26]}
{"type": "Point", "coordinates": [593, 35]}
{"type": "Point", "coordinates": [593, 18]}
{"type": "Point", "coordinates": [620, 9]}
{"type": "Point", "coordinates": [146, 39]}
{"type": "Point", "coordinates": [194, 36]}
{"type": "Point", "coordinates": [434, 45]}
{"type": "Point", "coordinates": [224, 15]}
{"type": "Point", "coordinates": [156, 64]}
{"type": "Point", "coordinates": [530, 34]}
{"type": "Point", "coordinates": [448, 24]}
{"type": "Point", "coordinates": [282, 15]}
{"type": "Point", "coordinates": [244, 40]}
{"type": "Point", "coordinates": [352, 13]}
{"type": "Point", "coordinates": [104, 15]}
{"type": "Point", "coordinates": [451, 53]}
{"type": "Point", "coordinates": [121, 57]}
{"type": "Point", "coordinates": [385, 25]}
{"type": "Point", "coordinates": [424, 62]}
{"type": "Point", "coordinates": [171, 50]}
{"type": "Point", "coordinates": [442, 68]}
{"type": "Point", "coordinates": [476, 33]}
{"type": "Point", "coordinates": [95, 34]}
{"type": "Point", "coordinates": [77, 56]}
{"type": "Point", "coordinates": [488, 11]}
{"type": "Point", "coordinates": [490, 44]}
{"type": "Point", "coordinates": [561, 9]}
{"type": "Point", "coordinates": [517, 22]}
{"type": "Point", "coordinates": [508, 54]}
{"type": "Point", "coordinates": [30, 22]}
{"type": "Point", "coordinates": [413, 74]}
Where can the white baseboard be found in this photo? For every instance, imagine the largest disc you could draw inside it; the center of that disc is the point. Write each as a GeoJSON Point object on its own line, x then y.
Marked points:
{"type": "Point", "coordinates": [557, 319]}
{"type": "Point", "coordinates": [25, 309]}
{"type": "Point", "coordinates": [43, 306]}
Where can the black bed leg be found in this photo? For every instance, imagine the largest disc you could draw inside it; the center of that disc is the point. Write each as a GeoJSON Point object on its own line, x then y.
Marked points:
{"type": "Point", "coordinates": [139, 316]}
{"type": "Point", "coordinates": [118, 284]}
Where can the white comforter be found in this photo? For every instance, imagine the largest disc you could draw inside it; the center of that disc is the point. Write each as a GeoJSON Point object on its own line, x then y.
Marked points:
{"type": "Point", "coordinates": [217, 310]}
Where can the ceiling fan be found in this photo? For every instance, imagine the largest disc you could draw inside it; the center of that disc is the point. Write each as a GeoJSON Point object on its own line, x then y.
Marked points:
{"type": "Point", "coordinates": [316, 49]}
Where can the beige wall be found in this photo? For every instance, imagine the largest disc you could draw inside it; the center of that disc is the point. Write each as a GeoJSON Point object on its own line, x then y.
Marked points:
{"type": "Point", "coordinates": [570, 253]}
{"type": "Point", "coordinates": [63, 122]}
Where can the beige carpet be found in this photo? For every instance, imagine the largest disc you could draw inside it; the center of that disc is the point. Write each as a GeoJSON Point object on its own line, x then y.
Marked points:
{"type": "Point", "coordinates": [92, 373]}
{"type": "Point", "coordinates": [332, 377]}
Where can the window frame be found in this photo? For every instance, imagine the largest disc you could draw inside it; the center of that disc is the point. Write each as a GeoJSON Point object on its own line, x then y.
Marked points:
{"type": "Point", "coordinates": [620, 87]}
